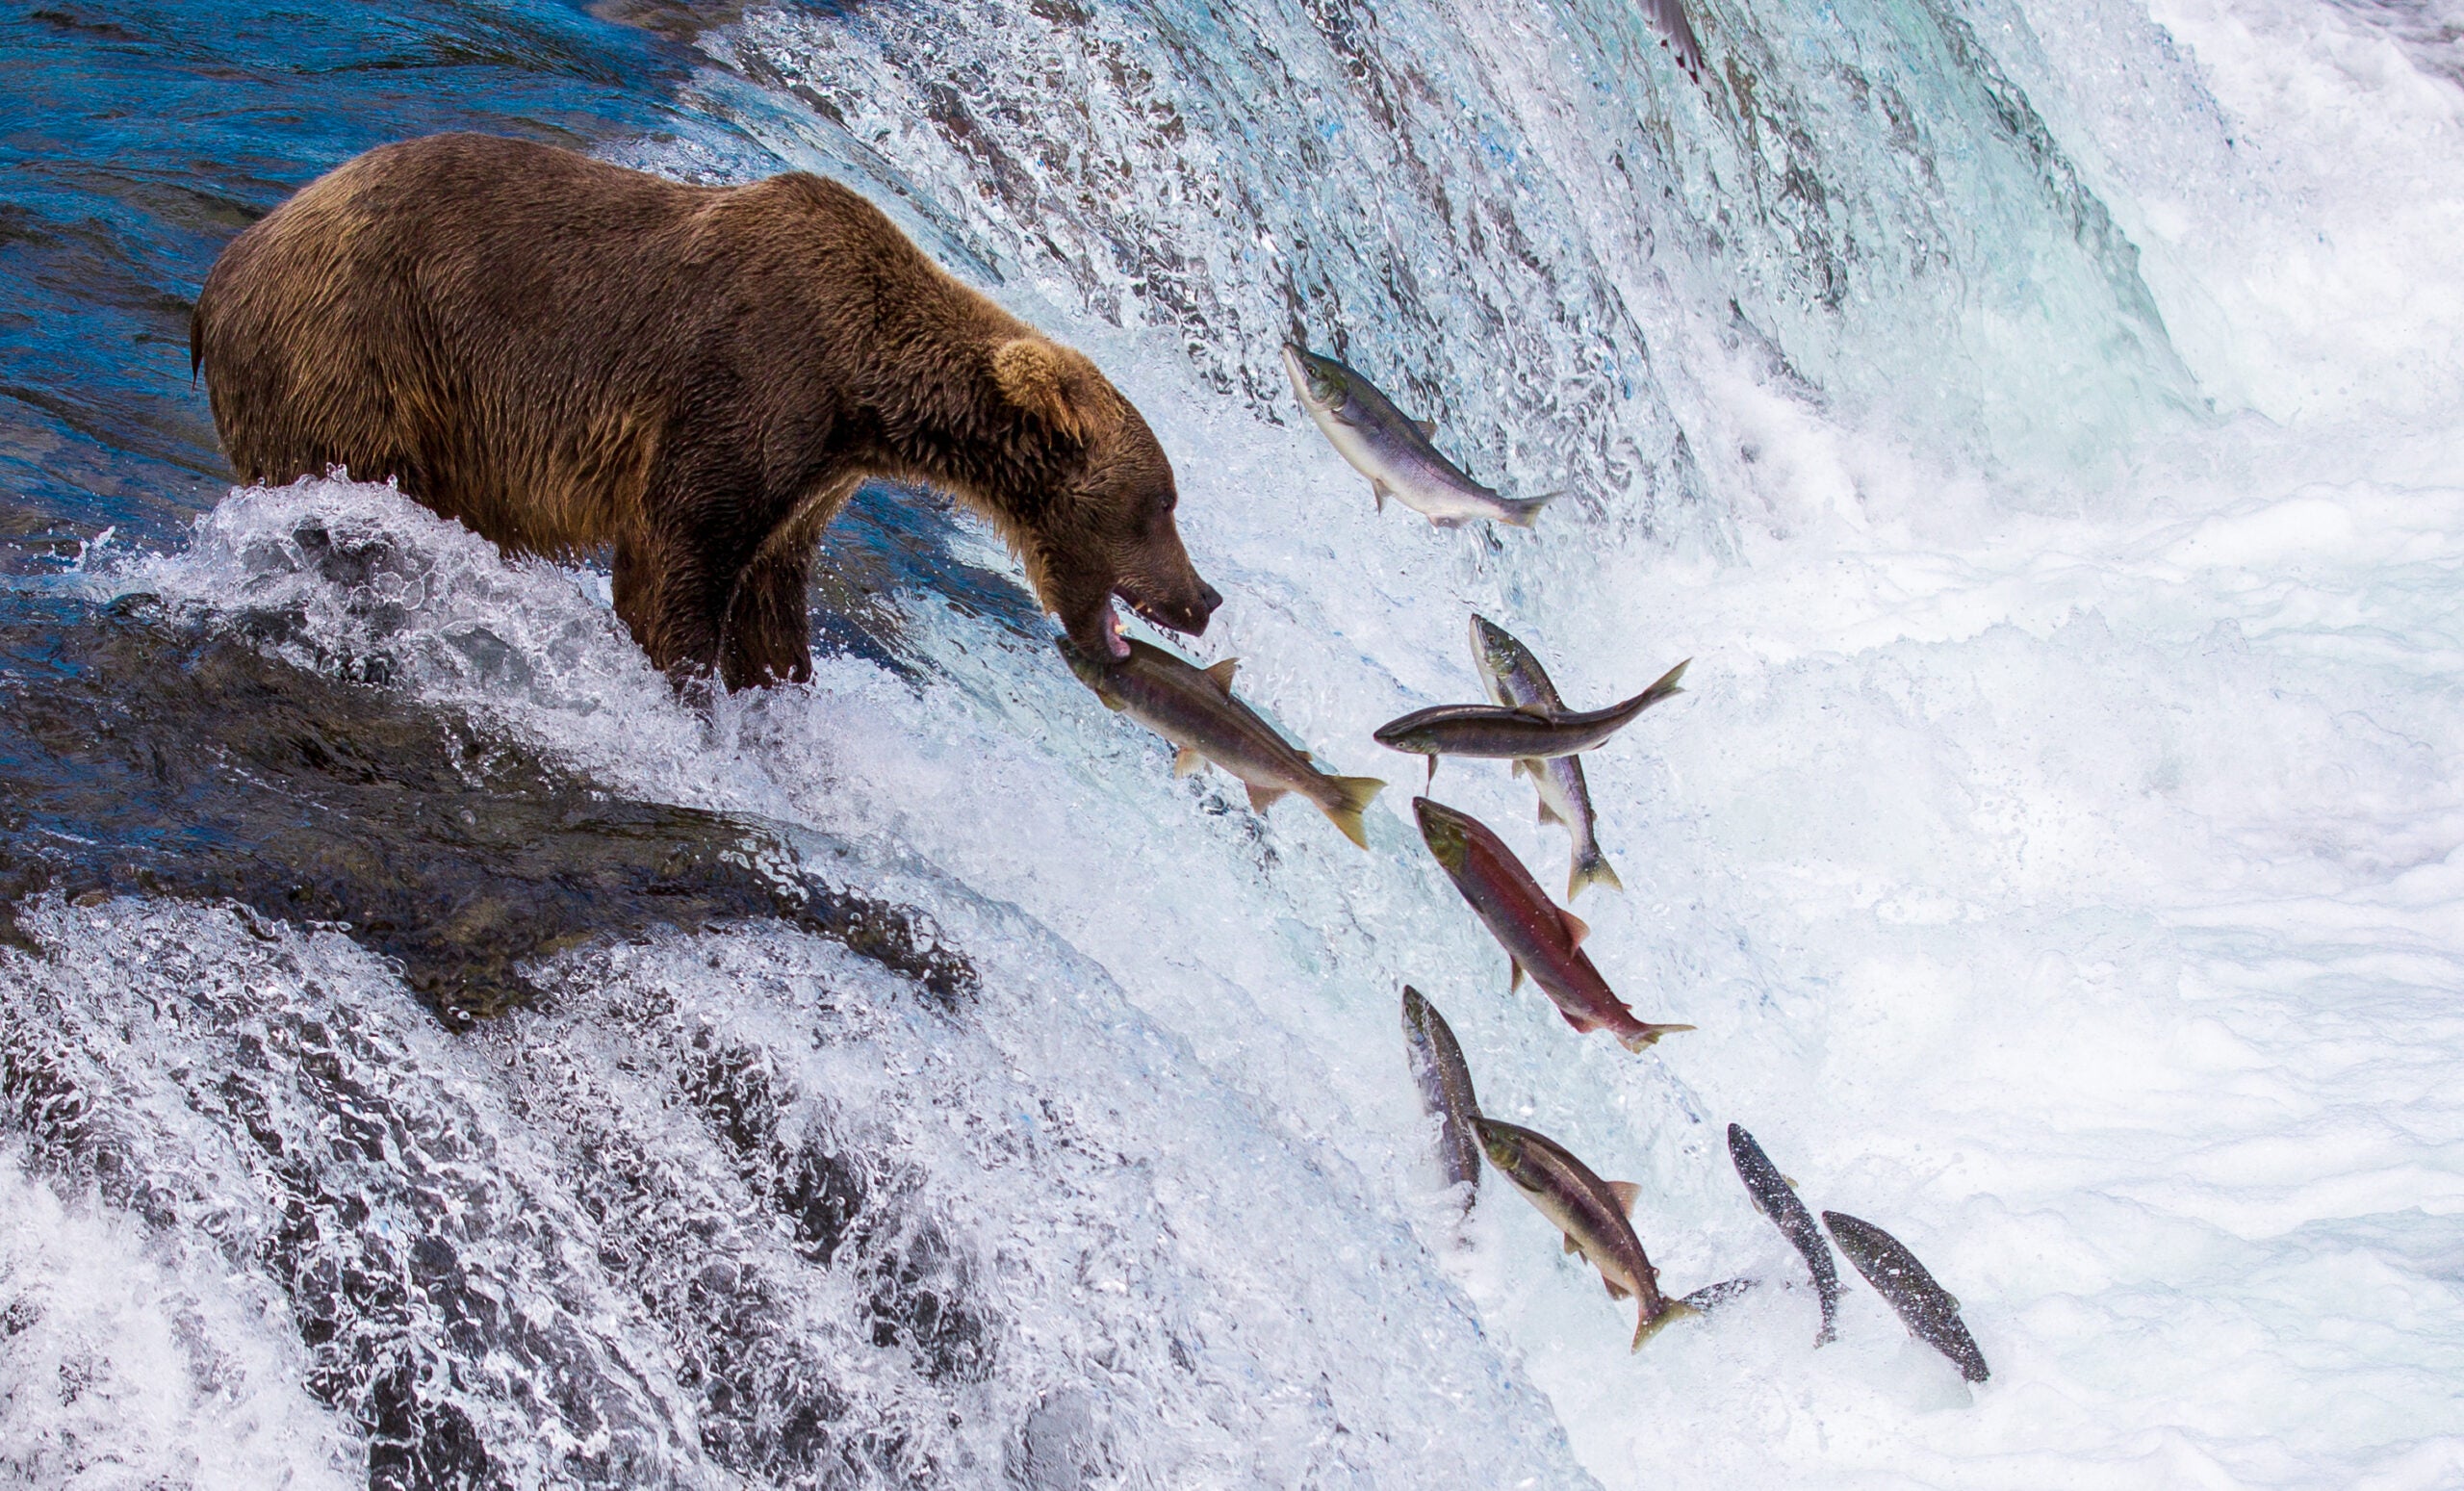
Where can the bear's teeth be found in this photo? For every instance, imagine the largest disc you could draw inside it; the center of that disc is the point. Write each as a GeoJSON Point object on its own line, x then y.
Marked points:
{"type": "Point", "coordinates": [1112, 632]}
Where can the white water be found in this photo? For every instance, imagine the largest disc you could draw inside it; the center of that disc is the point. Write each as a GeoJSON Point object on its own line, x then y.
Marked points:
{"type": "Point", "coordinates": [2057, 849]}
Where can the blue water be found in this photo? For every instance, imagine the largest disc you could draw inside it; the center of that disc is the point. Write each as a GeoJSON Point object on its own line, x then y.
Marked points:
{"type": "Point", "coordinates": [2039, 423]}
{"type": "Point", "coordinates": [140, 139]}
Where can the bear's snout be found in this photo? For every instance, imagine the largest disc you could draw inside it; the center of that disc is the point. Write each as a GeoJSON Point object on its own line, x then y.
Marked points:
{"type": "Point", "coordinates": [1192, 616]}
{"type": "Point", "coordinates": [1184, 606]}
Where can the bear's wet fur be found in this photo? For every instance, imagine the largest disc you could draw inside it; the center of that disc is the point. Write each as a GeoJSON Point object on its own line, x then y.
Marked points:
{"type": "Point", "coordinates": [566, 356]}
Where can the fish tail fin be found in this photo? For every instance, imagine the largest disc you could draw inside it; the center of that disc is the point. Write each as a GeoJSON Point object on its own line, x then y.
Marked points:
{"type": "Point", "coordinates": [1647, 1326]}
{"type": "Point", "coordinates": [1667, 684]}
{"type": "Point", "coordinates": [1352, 796]}
{"type": "Point", "coordinates": [1590, 872]}
{"type": "Point", "coordinates": [1525, 512]}
{"type": "Point", "coordinates": [1642, 1038]}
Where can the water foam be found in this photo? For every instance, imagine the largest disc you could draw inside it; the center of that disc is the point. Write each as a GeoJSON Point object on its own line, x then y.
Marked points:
{"type": "Point", "coordinates": [2062, 876]}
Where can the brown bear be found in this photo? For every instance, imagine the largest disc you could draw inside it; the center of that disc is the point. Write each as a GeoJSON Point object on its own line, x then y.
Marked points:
{"type": "Point", "coordinates": [565, 355]}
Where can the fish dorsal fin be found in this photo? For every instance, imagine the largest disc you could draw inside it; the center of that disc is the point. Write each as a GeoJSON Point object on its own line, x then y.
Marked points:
{"type": "Point", "coordinates": [1625, 1191]}
{"type": "Point", "coordinates": [1791, 1180]}
{"type": "Point", "coordinates": [1428, 428]}
{"type": "Point", "coordinates": [1576, 927]}
{"type": "Point", "coordinates": [1220, 674]}
{"type": "Point", "coordinates": [1571, 1247]}
{"type": "Point", "coordinates": [1264, 798]}
{"type": "Point", "coordinates": [1516, 982]}
{"type": "Point", "coordinates": [1187, 762]}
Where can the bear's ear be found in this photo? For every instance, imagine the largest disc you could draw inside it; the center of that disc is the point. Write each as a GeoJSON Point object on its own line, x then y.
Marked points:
{"type": "Point", "coordinates": [1055, 385]}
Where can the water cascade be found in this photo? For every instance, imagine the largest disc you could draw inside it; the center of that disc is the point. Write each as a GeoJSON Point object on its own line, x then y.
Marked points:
{"type": "Point", "coordinates": [434, 1053]}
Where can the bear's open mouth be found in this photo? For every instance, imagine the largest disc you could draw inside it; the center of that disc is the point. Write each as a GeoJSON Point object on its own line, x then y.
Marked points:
{"type": "Point", "coordinates": [1143, 611]}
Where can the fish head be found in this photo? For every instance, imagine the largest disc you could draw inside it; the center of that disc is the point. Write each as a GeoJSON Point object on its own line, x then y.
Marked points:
{"type": "Point", "coordinates": [1497, 652]}
{"type": "Point", "coordinates": [1859, 1241]}
{"type": "Point", "coordinates": [1095, 520]}
{"type": "Point", "coordinates": [1446, 831]}
{"type": "Point", "coordinates": [1502, 1144]}
{"type": "Point", "coordinates": [1093, 669]}
{"type": "Point", "coordinates": [1403, 734]}
{"type": "Point", "coordinates": [1323, 385]}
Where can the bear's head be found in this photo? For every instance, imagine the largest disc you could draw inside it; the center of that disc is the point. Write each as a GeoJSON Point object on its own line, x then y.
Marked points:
{"type": "Point", "coordinates": [1104, 529]}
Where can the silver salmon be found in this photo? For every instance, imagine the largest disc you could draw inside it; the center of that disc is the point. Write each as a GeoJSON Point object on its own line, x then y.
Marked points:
{"type": "Point", "coordinates": [1446, 1089]}
{"type": "Point", "coordinates": [1538, 937]}
{"type": "Point", "coordinates": [1193, 708]}
{"type": "Point", "coordinates": [1592, 1214]}
{"type": "Point", "coordinates": [1514, 677]}
{"type": "Point", "coordinates": [1676, 35]}
{"type": "Point", "coordinates": [1520, 732]}
{"type": "Point", "coordinates": [1393, 450]}
{"type": "Point", "coordinates": [1929, 1311]}
{"type": "Point", "coordinates": [1776, 1199]}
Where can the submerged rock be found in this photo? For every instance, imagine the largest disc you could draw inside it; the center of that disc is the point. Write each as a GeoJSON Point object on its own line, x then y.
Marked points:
{"type": "Point", "coordinates": [139, 753]}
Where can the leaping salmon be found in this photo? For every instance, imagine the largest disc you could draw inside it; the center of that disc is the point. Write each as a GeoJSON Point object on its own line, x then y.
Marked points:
{"type": "Point", "coordinates": [1446, 1089]}
{"type": "Point", "coordinates": [1592, 1214]}
{"type": "Point", "coordinates": [1515, 679]}
{"type": "Point", "coordinates": [1522, 732]}
{"type": "Point", "coordinates": [1539, 939]}
{"type": "Point", "coordinates": [1676, 35]}
{"type": "Point", "coordinates": [1393, 450]}
{"type": "Point", "coordinates": [1930, 1312]}
{"type": "Point", "coordinates": [1774, 1198]}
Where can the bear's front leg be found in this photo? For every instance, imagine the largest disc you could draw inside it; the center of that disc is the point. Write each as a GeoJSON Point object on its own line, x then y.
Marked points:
{"type": "Point", "coordinates": [669, 600]}
{"type": "Point", "coordinates": [767, 636]}
{"type": "Point", "coordinates": [684, 553]}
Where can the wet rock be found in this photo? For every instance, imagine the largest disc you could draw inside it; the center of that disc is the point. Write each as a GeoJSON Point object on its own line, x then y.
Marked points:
{"type": "Point", "coordinates": [139, 752]}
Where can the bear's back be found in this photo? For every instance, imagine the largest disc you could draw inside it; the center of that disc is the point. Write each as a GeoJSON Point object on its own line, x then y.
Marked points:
{"type": "Point", "coordinates": [512, 330]}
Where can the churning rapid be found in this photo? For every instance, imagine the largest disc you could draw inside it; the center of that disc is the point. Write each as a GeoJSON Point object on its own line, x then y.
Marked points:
{"type": "Point", "coordinates": [2041, 424]}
